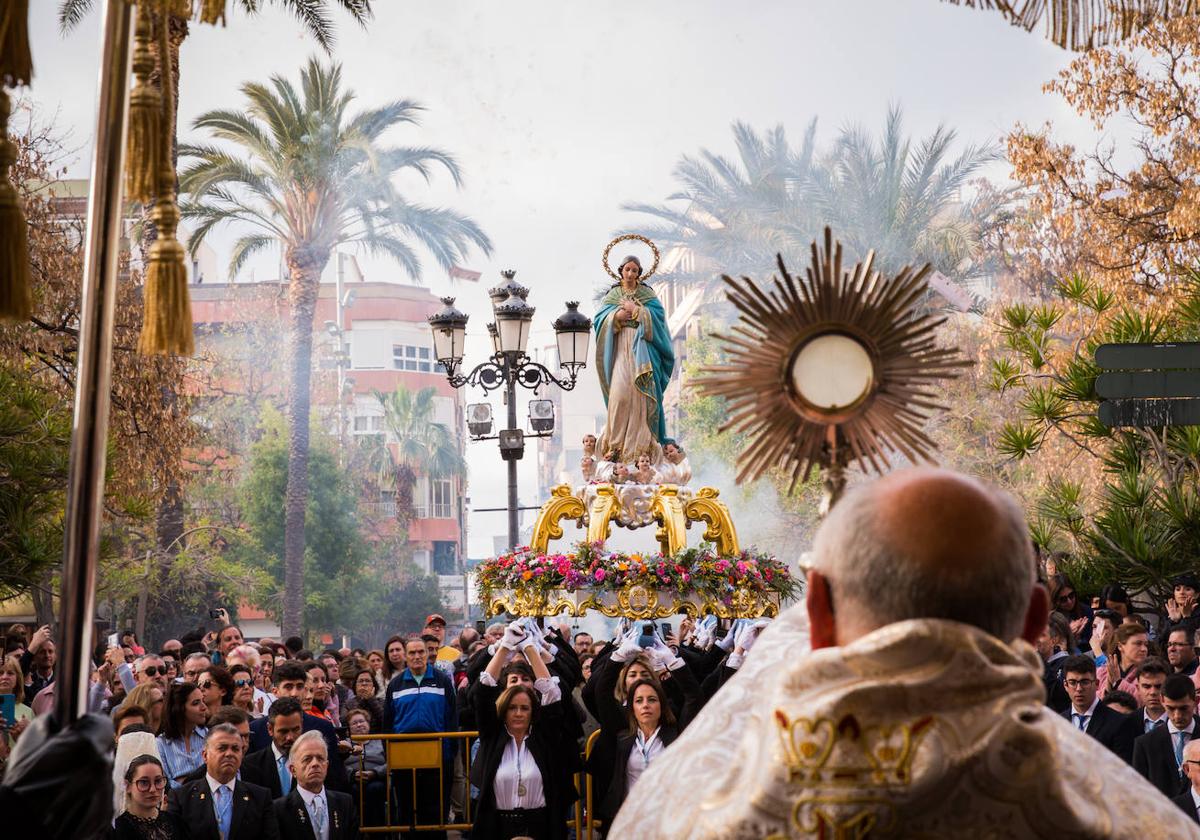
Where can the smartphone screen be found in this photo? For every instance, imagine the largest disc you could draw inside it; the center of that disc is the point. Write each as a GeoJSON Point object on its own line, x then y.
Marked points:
{"type": "Point", "coordinates": [480, 627]}
{"type": "Point", "coordinates": [666, 629]}
{"type": "Point", "coordinates": [8, 708]}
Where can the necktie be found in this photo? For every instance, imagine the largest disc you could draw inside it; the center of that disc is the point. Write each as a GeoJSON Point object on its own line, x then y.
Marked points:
{"type": "Point", "coordinates": [318, 817]}
{"type": "Point", "coordinates": [224, 807]}
{"type": "Point", "coordinates": [1082, 721]}
{"type": "Point", "coordinates": [285, 778]}
{"type": "Point", "coordinates": [1180, 739]}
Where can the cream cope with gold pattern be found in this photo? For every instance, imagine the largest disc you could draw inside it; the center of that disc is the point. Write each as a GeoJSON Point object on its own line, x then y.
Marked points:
{"type": "Point", "coordinates": [922, 729]}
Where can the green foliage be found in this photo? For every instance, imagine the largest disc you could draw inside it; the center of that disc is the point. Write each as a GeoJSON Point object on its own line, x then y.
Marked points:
{"type": "Point", "coordinates": [35, 437]}
{"type": "Point", "coordinates": [890, 193]}
{"type": "Point", "coordinates": [335, 554]}
{"type": "Point", "coordinates": [1142, 526]}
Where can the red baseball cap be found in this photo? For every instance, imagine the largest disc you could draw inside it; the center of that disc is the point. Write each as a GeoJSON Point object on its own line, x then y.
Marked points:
{"type": "Point", "coordinates": [430, 619]}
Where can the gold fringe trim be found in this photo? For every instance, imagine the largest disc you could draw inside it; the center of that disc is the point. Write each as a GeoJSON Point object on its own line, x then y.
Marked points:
{"type": "Point", "coordinates": [16, 295]}
{"type": "Point", "coordinates": [212, 11]}
{"type": "Point", "coordinates": [144, 152]}
{"type": "Point", "coordinates": [16, 61]}
{"type": "Point", "coordinates": [167, 308]}
{"type": "Point", "coordinates": [1085, 24]}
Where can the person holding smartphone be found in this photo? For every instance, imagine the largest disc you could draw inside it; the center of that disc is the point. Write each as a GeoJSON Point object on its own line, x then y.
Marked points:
{"type": "Point", "coordinates": [14, 714]}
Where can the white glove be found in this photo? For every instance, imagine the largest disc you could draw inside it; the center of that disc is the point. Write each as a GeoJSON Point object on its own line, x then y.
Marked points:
{"type": "Point", "coordinates": [663, 658]}
{"type": "Point", "coordinates": [514, 634]}
{"type": "Point", "coordinates": [705, 632]}
{"type": "Point", "coordinates": [627, 646]}
{"type": "Point", "coordinates": [726, 644]}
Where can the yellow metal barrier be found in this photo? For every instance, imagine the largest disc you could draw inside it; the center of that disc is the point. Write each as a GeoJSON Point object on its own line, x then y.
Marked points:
{"type": "Point", "coordinates": [424, 752]}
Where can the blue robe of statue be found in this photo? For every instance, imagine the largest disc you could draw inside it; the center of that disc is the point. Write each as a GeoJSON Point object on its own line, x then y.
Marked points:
{"type": "Point", "coordinates": [653, 360]}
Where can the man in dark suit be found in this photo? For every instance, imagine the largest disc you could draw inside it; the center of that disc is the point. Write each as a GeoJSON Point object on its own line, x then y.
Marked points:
{"type": "Point", "coordinates": [1108, 726]}
{"type": "Point", "coordinates": [312, 811]}
{"type": "Point", "coordinates": [268, 767]}
{"type": "Point", "coordinates": [1158, 755]}
{"type": "Point", "coordinates": [220, 806]}
{"type": "Point", "coordinates": [291, 680]}
{"type": "Point", "coordinates": [1189, 800]}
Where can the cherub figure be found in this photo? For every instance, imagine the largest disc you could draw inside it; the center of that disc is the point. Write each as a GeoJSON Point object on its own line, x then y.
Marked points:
{"type": "Point", "coordinates": [620, 473]}
{"type": "Point", "coordinates": [605, 466]}
{"type": "Point", "coordinates": [644, 474]}
{"type": "Point", "coordinates": [588, 466]}
{"type": "Point", "coordinates": [675, 468]}
{"type": "Point", "coordinates": [589, 445]}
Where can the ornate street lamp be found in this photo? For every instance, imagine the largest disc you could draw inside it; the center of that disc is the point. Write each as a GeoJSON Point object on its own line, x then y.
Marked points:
{"type": "Point", "coordinates": [510, 366]}
{"type": "Point", "coordinates": [449, 334]}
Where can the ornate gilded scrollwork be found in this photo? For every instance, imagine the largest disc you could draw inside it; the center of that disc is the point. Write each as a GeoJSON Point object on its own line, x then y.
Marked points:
{"type": "Point", "coordinates": [707, 508]}
{"type": "Point", "coordinates": [562, 505]}
{"type": "Point", "coordinates": [604, 510]}
{"type": "Point", "coordinates": [668, 510]}
{"type": "Point", "coordinates": [641, 602]}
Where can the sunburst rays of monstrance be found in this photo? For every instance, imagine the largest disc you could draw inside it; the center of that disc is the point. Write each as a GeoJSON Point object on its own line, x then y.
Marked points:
{"type": "Point", "coordinates": [835, 367]}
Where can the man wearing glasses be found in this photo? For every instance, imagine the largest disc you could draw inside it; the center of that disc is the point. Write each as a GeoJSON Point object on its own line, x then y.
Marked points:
{"type": "Point", "coordinates": [1180, 652]}
{"type": "Point", "coordinates": [1087, 714]}
{"type": "Point", "coordinates": [1189, 800]}
{"type": "Point", "coordinates": [150, 668]}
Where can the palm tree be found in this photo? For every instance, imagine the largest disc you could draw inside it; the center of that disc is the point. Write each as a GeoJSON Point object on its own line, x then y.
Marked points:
{"type": "Point", "coordinates": [422, 447]}
{"type": "Point", "coordinates": [904, 201]}
{"type": "Point", "coordinates": [737, 215]}
{"type": "Point", "coordinates": [901, 200]}
{"type": "Point", "coordinates": [311, 13]}
{"type": "Point", "coordinates": [306, 178]}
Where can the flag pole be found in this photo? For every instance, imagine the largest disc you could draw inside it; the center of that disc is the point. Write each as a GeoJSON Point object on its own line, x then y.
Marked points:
{"type": "Point", "coordinates": [89, 426]}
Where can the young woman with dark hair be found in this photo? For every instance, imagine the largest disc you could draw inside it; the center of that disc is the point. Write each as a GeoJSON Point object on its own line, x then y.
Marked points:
{"type": "Point", "coordinates": [651, 729]}
{"type": "Point", "coordinates": [181, 743]}
{"type": "Point", "coordinates": [144, 817]}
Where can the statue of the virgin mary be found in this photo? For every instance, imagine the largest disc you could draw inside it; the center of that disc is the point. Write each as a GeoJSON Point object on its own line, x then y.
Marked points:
{"type": "Point", "coordinates": [635, 360]}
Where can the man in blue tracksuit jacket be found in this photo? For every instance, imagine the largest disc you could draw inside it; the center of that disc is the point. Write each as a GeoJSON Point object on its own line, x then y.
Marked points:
{"type": "Point", "coordinates": [422, 699]}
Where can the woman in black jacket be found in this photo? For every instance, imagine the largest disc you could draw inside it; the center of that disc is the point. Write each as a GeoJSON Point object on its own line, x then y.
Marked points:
{"type": "Point", "coordinates": [521, 770]}
{"type": "Point", "coordinates": [611, 685]}
{"type": "Point", "coordinates": [651, 729]}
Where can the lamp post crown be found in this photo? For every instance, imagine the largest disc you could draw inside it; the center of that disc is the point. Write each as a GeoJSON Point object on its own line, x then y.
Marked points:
{"type": "Point", "coordinates": [507, 290]}
{"type": "Point", "coordinates": [449, 316]}
{"type": "Point", "coordinates": [572, 320]}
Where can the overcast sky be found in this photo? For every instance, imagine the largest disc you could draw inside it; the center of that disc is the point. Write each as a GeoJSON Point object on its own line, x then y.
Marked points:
{"type": "Point", "coordinates": [560, 111]}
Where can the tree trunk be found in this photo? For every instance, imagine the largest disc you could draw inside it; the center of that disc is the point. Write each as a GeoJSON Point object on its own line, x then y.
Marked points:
{"type": "Point", "coordinates": [43, 603]}
{"type": "Point", "coordinates": [304, 278]}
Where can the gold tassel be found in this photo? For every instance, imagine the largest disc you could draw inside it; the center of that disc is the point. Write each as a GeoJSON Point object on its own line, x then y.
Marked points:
{"type": "Point", "coordinates": [143, 158]}
{"type": "Point", "coordinates": [212, 11]}
{"type": "Point", "coordinates": [167, 308]}
{"type": "Point", "coordinates": [16, 296]}
{"type": "Point", "coordinates": [16, 68]}
{"type": "Point", "coordinates": [16, 62]}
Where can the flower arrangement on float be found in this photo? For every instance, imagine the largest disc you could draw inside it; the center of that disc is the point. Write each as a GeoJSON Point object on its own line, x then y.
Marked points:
{"type": "Point", "coordinates": [693, 581]}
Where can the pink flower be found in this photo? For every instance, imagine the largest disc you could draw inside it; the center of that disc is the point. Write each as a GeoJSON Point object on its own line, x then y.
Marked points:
{"type": "Point", "coordinates": [599, 575]}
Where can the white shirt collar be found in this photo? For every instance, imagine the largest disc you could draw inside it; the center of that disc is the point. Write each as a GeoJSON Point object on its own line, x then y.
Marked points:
{"type": "Point", "coordinates": [643, 740]}
{"type": "Point", "coordinates": [1146, 715]}
{"type": "Point", "coordinates": [1090, 710]}
{"type": "Point", "coordinates": [309, 797]}
{"type": "Point", "coordinates": [278, 754]}
{"type": "Point", "coordinates": [1188, 729]}
{"type": "Point", "coordinates": [213, 784]}
{"type": "Point", "coordinates": [1195, 798]}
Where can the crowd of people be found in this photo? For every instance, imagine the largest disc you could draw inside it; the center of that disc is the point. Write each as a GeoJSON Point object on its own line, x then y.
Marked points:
{"type": "Point", "coordinates": [1127, 682]}
{"type": "Point", "coordinates": [256, 738]}
{"type": "Point", "coordinates": [216, 736]}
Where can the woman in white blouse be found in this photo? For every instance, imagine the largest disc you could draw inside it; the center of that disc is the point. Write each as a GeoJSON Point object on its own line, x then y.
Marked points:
{"type": "Point", "coordinates": [652, 728]}
{"type": "Point", "coordinates": [525, 786]}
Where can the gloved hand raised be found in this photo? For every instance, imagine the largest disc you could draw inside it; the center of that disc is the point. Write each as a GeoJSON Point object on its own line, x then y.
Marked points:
{"type": "Point", "coordinates": [662, 657]}
{"type": "Point", "coordinates": [726, 644]}
{"type": "Point", "coordinates": [514, 635]}
{"type": "Point", "coordinates": [627, 646]}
